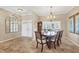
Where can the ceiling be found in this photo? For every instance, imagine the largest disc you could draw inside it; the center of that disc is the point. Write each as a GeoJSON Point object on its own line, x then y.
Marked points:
{"type": "Point", "coordinates": [39, 10]}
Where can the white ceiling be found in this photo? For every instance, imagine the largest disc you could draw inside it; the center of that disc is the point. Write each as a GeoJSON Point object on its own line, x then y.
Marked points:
{"type": "Point", "coordinates": [39, 10]}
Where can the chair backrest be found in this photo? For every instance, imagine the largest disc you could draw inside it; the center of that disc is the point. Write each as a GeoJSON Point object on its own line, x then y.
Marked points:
{"type": "Point", "coordinates": [38, 35]}
{"type": "Point", "coordinates": [58, 35]}
{"type": "Point", "coordinates": [61, 33]}
{"type": "Point", "coordinates": [55, 37]}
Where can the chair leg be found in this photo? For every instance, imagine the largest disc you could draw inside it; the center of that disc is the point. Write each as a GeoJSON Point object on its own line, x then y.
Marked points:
{"type": "Point", "coordinates": [54, 45]}
{"type": "Point", "coordinates": [47, 44]}
{"type": "Point", "coordinates": [37, 45]}
{"type": "Point", "coordinates": [42, 48]}
{"type": "Point", "coordinates": [58, 43]}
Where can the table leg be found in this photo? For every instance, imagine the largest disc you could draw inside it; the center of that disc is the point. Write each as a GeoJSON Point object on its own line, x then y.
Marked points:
{"type": "Point", "coordinates": [49, 43]}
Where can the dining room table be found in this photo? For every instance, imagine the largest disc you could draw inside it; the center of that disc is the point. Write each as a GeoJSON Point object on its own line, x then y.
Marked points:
{"type": "Point", "coordinates": [49, 36]}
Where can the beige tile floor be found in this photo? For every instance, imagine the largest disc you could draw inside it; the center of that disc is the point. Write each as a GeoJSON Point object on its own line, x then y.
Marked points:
{"type": "Point", "coordinates": [27, 45]}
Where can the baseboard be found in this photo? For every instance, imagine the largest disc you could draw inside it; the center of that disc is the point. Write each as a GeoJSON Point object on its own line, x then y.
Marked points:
{"type": "Point", "coordinates": [8, 39]}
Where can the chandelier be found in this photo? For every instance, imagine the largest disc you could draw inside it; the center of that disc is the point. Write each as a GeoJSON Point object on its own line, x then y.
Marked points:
{"type": "Point", "coordinates": [51, 16]}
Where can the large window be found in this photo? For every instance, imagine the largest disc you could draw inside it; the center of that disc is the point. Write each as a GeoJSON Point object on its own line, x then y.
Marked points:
{"type": "Point", "coordinates": [54, 25]}
{"type": "Point", "coordinates": [12, 24]}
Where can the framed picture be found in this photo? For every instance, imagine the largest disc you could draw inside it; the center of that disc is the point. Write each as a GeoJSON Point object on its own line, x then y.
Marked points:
{"type": "Point", "coordinates": [72, 24]}
{"type": "Point", "coordinates": [77, 23]}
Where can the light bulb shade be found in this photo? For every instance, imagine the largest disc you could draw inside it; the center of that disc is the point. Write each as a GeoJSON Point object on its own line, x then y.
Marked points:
{"type": "Point", "coordinates": [54, 17]}
{"type": "Point", "coordinates": [50, 17]}
{"type": "Point", "coordinates": [47, 17]}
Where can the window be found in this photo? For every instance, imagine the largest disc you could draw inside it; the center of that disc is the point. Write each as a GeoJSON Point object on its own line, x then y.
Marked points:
{"type": "Point", "coordinates": [55, 25]}
{"type": "Point", "coordinates": [12, 24]}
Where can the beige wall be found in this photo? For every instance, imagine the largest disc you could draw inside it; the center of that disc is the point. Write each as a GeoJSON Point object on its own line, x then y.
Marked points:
{"type": "Point", "coordinates": [70, 13]}
{"type": "Point", "coordinates": [3, 35]}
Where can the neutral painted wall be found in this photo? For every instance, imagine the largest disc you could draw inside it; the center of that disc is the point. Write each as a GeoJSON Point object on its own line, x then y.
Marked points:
{"type": "Point", "coordinates": [3, 35]}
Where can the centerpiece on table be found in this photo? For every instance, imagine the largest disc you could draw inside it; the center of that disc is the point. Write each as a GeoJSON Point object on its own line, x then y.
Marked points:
{"type": "Point", "coordinates": [50, 31]}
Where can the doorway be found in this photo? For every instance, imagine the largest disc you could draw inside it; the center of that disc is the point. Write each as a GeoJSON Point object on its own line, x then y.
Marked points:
{"type": "Point", "coordinates": [27, 30]}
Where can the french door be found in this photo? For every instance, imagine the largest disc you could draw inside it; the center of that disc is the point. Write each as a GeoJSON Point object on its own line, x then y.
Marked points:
{"type": "Point", "coordinates": [27, 29]}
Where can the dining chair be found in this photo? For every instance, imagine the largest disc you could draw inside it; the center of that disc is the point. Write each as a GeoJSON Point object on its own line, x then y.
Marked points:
{"type": "Point", "coordinates": [61, 33]}
{"type": "Point", "coordinates": [40, 39]}
{"type": "Point", "coordinates": [53, 40]}
{"type": "Point", "coordinates": [56, 39]}
{"type": "Point", "coordinates": [59, 37]}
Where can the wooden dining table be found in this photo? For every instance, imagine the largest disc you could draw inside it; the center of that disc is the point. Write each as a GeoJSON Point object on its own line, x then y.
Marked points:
{"type": "Point", "coordinates": [49, 36]}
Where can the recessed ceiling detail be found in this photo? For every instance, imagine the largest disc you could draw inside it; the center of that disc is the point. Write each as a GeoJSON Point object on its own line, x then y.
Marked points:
{"type": "Point", "coordinates": [39, 10]}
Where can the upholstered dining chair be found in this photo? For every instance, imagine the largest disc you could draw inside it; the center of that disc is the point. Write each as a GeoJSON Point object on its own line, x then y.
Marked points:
{"type": "Point", "coordinates": [53, 40]}
{"type": "Point", "coordinates": [61, 33]}
{"type": "Point", "coordinates": [59, 37]}
{"type": "Point", "coordinates": [40, 39]}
